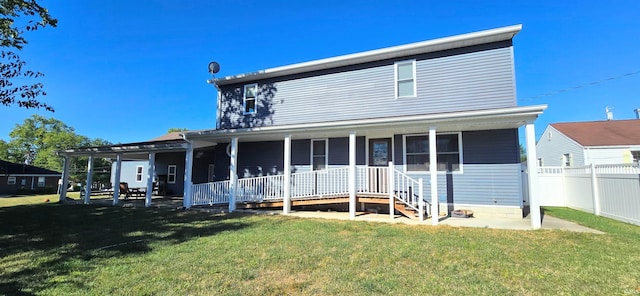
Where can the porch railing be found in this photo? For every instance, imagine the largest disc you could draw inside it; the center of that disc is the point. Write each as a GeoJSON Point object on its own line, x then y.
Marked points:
{"type": "Point", "coordinates": [210, 193]}
{"type": "Point", "coordinates": [327, 182]}
{"type": "Point", "coordinates": [259, 189]}
{"type": "Point", "coordinates": [320, 183]}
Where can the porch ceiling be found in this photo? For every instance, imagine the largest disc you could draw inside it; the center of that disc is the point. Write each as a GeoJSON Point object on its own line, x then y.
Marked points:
{"type": "Point", "coordinates": [502, 118]}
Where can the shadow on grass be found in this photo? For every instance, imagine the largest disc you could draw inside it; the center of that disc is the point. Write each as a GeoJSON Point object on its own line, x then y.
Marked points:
{"type": "Point", "coordinates": [42, 243]}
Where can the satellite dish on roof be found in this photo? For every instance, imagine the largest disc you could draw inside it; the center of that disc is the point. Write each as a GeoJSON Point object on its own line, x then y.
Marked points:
{"type": "Point", "coordinates": [214, 68]}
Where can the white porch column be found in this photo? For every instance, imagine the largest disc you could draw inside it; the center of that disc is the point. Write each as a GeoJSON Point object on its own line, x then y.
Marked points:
{"type": "Point", "coordinates": [352, 175]}
{"type": "Point", "coordinates": [391, 189]}
{"type": "Point", "coordinates": [116, 179]}
{"type": "Point", "coordinates": [87, 189]}
{"type": "Point", "coordinates": [188, 169]}
{"type": "Point", "coordinates": [150, 172]}
{"type": "Point", "coordinates": [65, 178]}
{"type": "Point", "coordinates": [286, 205]}
{"type": "Point", "coordinates": [433, 174]}
{"type": "Point", "coordinates": [532, 167]}
{"type": "Point", "coordinates": [233, 174]}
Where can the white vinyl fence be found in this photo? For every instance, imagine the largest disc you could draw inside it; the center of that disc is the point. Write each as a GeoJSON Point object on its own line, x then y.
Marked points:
{"type": "Point", "coordinates": [608, 190]}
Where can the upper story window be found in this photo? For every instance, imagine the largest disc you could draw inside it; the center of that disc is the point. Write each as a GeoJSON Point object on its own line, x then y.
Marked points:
{"type": "Point", "coordinates": [405, 79]}
{"type": "Point", "coordinates": [319, 154]}
{"type": "Point", "coordinates": [448, 148]}
{"type": "Point", "coordinates": [249, 99]}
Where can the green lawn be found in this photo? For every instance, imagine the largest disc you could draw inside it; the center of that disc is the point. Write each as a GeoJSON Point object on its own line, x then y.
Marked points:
{"type": "Point", "coordinates": [54, 249]}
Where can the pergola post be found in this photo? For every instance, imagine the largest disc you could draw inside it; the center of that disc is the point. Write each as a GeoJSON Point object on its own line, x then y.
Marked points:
{"type": "Point", "coordinates": [532, 167]}
{"type": "Point", "coordinates": [352, 175]}
{"type": "Point", "coordinates": [188, 170]}
{"type": "Point", "coordinates": [116, 179]}
{"type": "Point", "coordinates": [233, 174]}
{"type": "Point", "coordinates": [87, 187]}
{"type": "Point", "coordinates": [433, 175]}
{"type": "Point", "coordinates": [150, 173]}
{"type": "Point", "coordinates": [286, 206]}
{"type": "Point", "coordinates": [65, 178]}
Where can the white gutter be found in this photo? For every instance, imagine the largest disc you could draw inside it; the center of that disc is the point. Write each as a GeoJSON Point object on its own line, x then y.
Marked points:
{"type": "Point", "coordinates": [458, 41]}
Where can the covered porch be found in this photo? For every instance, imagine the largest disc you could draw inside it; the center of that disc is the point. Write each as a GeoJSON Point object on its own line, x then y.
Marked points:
{"type": "Point", "coordinates": [352, 183]}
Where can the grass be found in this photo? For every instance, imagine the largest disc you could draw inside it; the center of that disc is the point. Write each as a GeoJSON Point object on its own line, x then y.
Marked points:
{"type": "Point", "coordinates": [52, 249]}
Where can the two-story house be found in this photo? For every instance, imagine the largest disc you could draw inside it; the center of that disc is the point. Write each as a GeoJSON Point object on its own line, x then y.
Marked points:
{"type": "Point", "coordinates": [430, 125]}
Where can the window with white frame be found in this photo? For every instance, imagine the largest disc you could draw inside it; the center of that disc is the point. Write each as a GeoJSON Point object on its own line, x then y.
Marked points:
{"type": "Point", "coordinates": [319, 154]}
{"type": "Point", "coordinates": [139, 173]}
{"type": "Point", "coordinates": [249, 99]}
{"type": "Point", "coordinates": [540, 162]}
{"type": "Point", "coordinates": [405, 73]}
{"type": "Point", "coordinates": [567, 160]}
{"type": "Point", "coordinates": [211, 176]}
{"type": "Point", "coordinates": [171, 174]}
{"type": "Point", "coordinates": [41, 181]}
{"type": "Point", "coordinates": [11, 180]}
{"type": "Point", "coordinates": [23, 182]}
{"type": "Point", "coordinates": [448, 147]}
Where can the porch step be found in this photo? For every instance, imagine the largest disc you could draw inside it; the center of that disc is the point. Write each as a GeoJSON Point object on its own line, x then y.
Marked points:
{"type": "Point", "coordinates": [407, 211]}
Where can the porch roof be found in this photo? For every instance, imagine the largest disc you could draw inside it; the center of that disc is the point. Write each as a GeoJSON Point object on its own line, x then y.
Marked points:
{"type": "Point", "coordinates": [139, 150]}
{"type": "Point", "coordinates": [499, 118]}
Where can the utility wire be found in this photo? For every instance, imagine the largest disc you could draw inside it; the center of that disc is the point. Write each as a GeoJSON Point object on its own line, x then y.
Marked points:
{"type": "Point", "coordinates": [581, 86]}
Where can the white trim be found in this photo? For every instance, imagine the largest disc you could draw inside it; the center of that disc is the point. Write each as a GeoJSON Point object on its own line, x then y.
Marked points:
{"type": "Point", "coordinates": [9, 182]}
{"type": "Point", "coordinates": [395, 52]}
{"type": "Point", "coordinates": [139, 172]}
{"type": "Point", "coordinates": [460, 153]}
{"type": "Point", "coordinates": [326, 152]}
{"type": "Point", "coordinates": [255, 98]}
{"type": "Point", "coordinates": [175, 173]}
{"type": "Point", "coordinates": [413, 78]}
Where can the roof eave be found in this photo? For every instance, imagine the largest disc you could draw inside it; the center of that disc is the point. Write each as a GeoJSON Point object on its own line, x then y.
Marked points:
{"type": "Point", "coordinates": [458, 41]}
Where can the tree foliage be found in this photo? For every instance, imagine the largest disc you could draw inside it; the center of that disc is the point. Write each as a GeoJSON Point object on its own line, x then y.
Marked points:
{"type": "Point", "coordinates": [36, 140]}
{"type": "Point", "coordinates": [176, 129]}
{"type": "Point", "coordinates": [16, 17]}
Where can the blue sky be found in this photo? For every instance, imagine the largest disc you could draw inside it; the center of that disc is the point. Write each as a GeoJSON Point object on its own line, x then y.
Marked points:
{"type": "Point", "coordinates": [127, 71]}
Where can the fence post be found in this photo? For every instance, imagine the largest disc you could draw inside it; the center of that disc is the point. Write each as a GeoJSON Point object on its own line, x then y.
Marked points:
{"type": "Point", "coordinates": [594, 191]}
{"type": "Point", "coordinates": [392, 199]}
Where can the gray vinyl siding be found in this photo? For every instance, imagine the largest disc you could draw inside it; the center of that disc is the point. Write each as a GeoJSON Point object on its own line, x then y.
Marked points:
{"type": "Point", "coordinates": [472, 78]}
{"type": "Point", "coordinates": [551, 149]}
{"type": "Point", "coordinates": [163, 160]}
{"type": "Point", "coordinates": [491, 168]}
{"type": "Point", "coordinates": [128, 173]}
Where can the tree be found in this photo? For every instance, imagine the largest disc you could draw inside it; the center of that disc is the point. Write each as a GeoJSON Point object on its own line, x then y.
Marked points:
{"type": "Point", "coordinates": [523, 154]}
{"type": "Point", "coordinates": [177, 129]}
{"type": "Point", "coordinates": [36, 140]}
{"type": "Point", "coordinates": [31, 17]}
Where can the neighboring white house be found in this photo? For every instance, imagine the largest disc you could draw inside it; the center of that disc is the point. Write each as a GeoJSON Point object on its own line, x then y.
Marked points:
{"type": "Point", "coordinates": [583, 143]}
